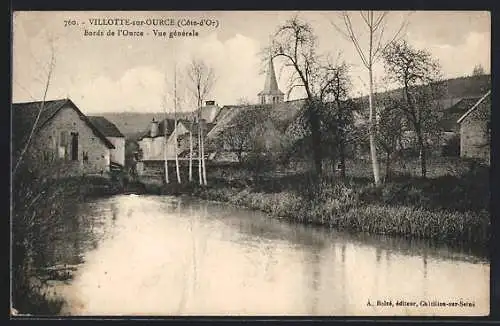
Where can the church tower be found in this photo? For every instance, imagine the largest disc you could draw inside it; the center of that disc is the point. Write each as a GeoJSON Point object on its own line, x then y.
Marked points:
{"type": "Point", "coordinates": [271, 93]}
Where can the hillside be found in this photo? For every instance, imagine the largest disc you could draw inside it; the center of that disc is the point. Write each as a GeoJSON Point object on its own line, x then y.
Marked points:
{"type": "Point", "coordinates": [455, 88]}
{"type": "Point", "coordinates": [132, 124]}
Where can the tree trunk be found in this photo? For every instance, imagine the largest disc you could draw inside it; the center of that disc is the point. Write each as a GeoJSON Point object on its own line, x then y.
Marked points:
{"type": "Point", "coordinates": [342, 154]}
{"type": "Point", "coordinates": [388, 167]}
{"type": "Point", "coordinates": [373, 148]}
{"type": "Point", "coordinates": [200, 176]}
{"type": "Point", "coordinates": [177, 170]}
{"type": "Point", "coordinates": [190, 155]}
{"type": "Point", "coordinates": [204, 167]}
{"type": "Point", "coordinates": [422, 154]}
{"type": "Point", "coordinates": [316, 138]}
{"type": "Point", "coordinates": [166, 171]}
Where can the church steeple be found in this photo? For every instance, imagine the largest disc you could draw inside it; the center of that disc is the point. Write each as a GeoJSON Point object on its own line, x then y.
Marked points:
{"type": "Point", "coordinates": [271, 93]}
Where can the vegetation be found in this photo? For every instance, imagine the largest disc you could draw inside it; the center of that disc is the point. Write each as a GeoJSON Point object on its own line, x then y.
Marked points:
{"type": "Point", "coordinates": [451, 207]}
{"type": "Point", "coordinates": [375, 24]}
{"type": "Point", "coordinates": [419, 75]}
{"type": "Point", "coordinates": [295, 41]}
{"type": "Point", "coordinates": [447, 200]}
{"type": "Point", "coordinates": [40, 196]}
{"type": "Point", "coordinates": [202, 79]}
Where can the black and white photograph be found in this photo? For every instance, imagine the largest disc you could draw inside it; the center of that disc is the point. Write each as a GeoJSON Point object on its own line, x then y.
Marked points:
{"type": "Point", "coordinates": [250, 163]}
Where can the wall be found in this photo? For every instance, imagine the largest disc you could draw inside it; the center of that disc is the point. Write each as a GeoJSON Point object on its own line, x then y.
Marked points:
{"type": "Point", "coordinates": [118, 153]}
{"type": "Point", "coordinates": [209, 112]}
{"type": "Point", "coordinates": [68, 120]}
{"type": "Point", "coordinates": [271, 99]}
{"type": "Point", "coordinates": [474, 136]}
{"type": "Point", "coordinates": [153, 148]}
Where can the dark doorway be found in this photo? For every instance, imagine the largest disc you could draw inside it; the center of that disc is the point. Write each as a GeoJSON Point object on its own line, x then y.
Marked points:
{"type": "Point", "coordinates": [74, 146]}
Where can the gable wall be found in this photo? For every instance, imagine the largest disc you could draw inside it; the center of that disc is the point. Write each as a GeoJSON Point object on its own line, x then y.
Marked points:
{"type": "Point", "coordinates": [47, 140]}
{"type": "Point", "coordinates": [474, 141]}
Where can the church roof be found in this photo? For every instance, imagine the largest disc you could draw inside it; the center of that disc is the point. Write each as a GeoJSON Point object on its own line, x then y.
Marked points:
{"type": "Point", "coordinates": [271, 84]}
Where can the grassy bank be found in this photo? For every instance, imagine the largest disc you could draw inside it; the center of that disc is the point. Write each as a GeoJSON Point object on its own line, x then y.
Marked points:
{"type": "Point", "coordinates": [452, 207]}
{"type": "Point", "coordinates": [39, 204]}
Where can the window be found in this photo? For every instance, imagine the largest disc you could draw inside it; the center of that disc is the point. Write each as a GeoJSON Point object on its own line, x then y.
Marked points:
{"type": "Point", "coordinates": [63, 144]}
{"type": "Point", "coordinates": [74, 146]}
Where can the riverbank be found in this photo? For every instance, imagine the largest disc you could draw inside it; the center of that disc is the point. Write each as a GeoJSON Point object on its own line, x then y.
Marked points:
{"type": "Point", "coordinates": [446, 208]}
{"type": "Point", "coordinates": [41, 210]}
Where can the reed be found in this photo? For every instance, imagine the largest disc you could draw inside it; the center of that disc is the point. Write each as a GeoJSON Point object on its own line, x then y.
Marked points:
{"type": "Point", "coordinates": [443, 208]}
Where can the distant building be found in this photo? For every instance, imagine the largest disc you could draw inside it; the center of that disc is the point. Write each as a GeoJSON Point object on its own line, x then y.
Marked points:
{"type": "Point", "coordinates": [164, 139]}
{"type": "Point", "coordinates": [113, 134]}
{"type": "Point", "coordinates": [271, 94]}
{"type": "Point", "coordinates": [152, 141]}
{"type": "Point", "coordinates": [475, 128]}
{"type": "Point", "coordinates": [63, 135]}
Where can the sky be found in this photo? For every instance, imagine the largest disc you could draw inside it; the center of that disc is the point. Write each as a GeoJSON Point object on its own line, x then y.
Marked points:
{"type": "Point", "coordinates": [136, 73]}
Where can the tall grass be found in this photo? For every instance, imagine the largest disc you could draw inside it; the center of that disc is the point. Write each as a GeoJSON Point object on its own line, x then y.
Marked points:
{"type": "Point", "coordinates": [450, 208]}
{"type": "Point", "coordinates": [39, 201]}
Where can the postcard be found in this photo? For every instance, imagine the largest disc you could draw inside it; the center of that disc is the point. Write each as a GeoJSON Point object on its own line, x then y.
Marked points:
{"type": "Point", "coordinates": [250, 163]}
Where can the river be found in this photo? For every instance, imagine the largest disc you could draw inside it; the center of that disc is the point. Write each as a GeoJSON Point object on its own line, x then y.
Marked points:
{"type": "Point", "coordinates": [153, 255]}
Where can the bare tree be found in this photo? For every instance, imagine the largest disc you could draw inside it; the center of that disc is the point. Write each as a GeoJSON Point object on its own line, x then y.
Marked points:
{"type": "Point", "coordinates": [176, 145]}
{"type": "Point", "coordinates": [335, 92]}
{"type": "Point", "coordinates": [242, 134]}
{"type": "Point", "coordinates": [243, 101]}
{"type": "Point", "coordinates": [236, 139]}
{"type": "Point", "coordinates": [192, 119]}
{"type": "Point", "coordinates": [165, 141]}
{"type": "Point", "coordinates": [375, 24]}
{"type": "Point", "coordinates": [202, 80]}
{"type": "Point", "coordinates": [390, 130]}
{"type": "Point", "coordinates": [46, 85]}
{"type": "Point", "coordinates": [38, 196]}
{"type": "Point", "coordinates": [420, 76]}
{"type": "Point", "coordinates": [296, 43]}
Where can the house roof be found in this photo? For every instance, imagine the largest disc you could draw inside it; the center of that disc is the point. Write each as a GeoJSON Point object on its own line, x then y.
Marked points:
{"type": "Point", "coordinates": [107, 128]}
{"type": "Point", "coordinates": [281, 114]}
{"type": "Point", "coordinates": [194, 126]}
{"type": "Point", "coordinates": [170, 124]}
{"type": "Point", "coordinates": [474, 107]}
{"type": "Point", "coordinates": [453, 109]}
{"type": "Point", "coordinates": [167, 124]}
{"type": "Point", "coordinates": [25, 114]}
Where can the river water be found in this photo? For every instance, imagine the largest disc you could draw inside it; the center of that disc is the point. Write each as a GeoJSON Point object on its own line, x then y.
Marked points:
{"type": "Point", "coordinates": [152, 255]}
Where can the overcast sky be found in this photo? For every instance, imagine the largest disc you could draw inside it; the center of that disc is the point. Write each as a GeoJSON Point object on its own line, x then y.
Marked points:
{"type": "Point", "coordinates": [103, 74]}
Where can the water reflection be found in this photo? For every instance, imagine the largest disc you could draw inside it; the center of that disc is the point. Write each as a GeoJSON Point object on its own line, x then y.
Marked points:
{"type": "Point", "coordinates": [169, 256]}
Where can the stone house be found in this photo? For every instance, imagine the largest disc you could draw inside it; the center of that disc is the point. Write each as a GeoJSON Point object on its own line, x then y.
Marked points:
{"type": "Point", "coordinates": [113, 134]}
{"type": "Point", "coordinates": [159, 142]}
{"type": "Point", "coordinates": [475, 128]}
{"type": "Point", "coordinates": [63, 135]}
